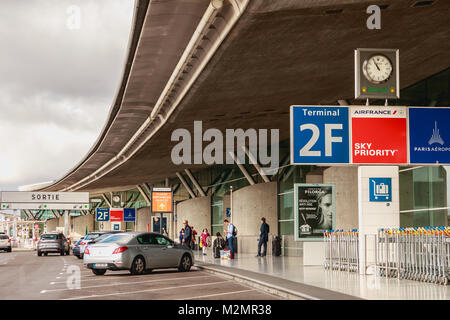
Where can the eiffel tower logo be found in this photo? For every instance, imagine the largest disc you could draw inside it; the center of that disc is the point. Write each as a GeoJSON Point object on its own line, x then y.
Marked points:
{"type": "Point", "coordinates": [436, 137]}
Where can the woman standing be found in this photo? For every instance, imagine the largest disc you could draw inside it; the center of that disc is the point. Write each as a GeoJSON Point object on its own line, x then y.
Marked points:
{"type": "Point", "coordinates": [205, 235]}
{"type": "Point", "coordinates": [181, 235]}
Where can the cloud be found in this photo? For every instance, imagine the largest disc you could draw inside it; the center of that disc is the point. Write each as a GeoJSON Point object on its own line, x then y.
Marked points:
{"type": "Point", "coordinates": [57, 83]}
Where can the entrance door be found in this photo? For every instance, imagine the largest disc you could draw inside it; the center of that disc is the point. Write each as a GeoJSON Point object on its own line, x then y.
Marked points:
{"type": "Point", "coordinates": [157, 224]}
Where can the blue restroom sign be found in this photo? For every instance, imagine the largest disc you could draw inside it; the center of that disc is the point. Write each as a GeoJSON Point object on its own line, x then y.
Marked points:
{"type": "Point", "coordinates": [429, 135]}
{"type": "Point", "coordinates": [380, 189]}
{"type": "Point", "coordinates": [319, 134]}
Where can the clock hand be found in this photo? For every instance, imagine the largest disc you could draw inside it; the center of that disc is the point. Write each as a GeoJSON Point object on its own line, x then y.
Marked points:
{"type": "Point", "coordinates": [376, 65]}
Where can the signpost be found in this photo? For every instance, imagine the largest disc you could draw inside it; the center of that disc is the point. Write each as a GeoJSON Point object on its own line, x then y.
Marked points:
{"type": "Point", "coordinates": [333, 135]}
{"type": "Point", "coordinates": [44, 200]}
{"type": "Point", "coordinates": [319, 135]}
{"type": "Point", "coordinates": [162, 199]}
{"type": "Point", "coordinates": [116, 214]}
{"type": "Point", "coordinates": [379, 135]}
{"type": "Point", "coordinates": [129, 214]}
{"type": "Point", "coordinates": [429, 135]}
{"type": "Point", "coordinates": [102, 214]}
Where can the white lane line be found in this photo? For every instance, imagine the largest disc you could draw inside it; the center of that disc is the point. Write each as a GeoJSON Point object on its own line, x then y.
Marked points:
{"type": "Point", "coordinates": [127, 283]}
{"type": "Point", "coordinates": [105, 278]}
{"type": "Point", "coordinates": [216, 294]}
{"type": "Point", "coordinates": [147, 290]}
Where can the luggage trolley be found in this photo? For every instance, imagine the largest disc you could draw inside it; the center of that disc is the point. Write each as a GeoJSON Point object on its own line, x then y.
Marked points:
{"type": "Point", "coordinates": [420, 254]}
{"type": "Point", "coordinates": [341, 250]}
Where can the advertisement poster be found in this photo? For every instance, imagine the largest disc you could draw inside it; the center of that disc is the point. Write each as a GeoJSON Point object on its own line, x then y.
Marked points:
{"type": "Point", "coordinates": [314, 210]}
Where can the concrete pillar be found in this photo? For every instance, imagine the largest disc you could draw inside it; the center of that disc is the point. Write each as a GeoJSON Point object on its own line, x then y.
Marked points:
{"type": "Point", "coordinates": [66, 223]}
{"type": "Point", "coordinates": [197, 211]}
{"type": "Point", "coordinates": [249, 205]}
{"type": "Point", "coordinates": [345, 180]}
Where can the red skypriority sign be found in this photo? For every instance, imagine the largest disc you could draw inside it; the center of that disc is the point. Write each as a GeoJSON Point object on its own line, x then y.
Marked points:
{"type": "Point", "coordinates": [379, 135]}
{"type": "Point", "coordinates": [116, 215]}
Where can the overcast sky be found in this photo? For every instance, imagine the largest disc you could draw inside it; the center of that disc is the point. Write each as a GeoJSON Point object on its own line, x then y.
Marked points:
{"type": "Point", "coordinates": [57, 82]}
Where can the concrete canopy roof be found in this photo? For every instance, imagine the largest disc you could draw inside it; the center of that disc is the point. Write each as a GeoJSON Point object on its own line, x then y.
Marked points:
{"type": "Point", "coordinates": [278, 53]}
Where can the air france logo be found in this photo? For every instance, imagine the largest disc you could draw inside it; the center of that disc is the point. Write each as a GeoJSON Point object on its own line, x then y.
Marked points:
{"type": "Point", "coordinates": [436, 137]}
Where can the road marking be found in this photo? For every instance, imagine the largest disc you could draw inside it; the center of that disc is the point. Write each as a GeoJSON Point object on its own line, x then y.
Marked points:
{"type": "Point", "coordinates": [216, 294]}
{"type": "Point", "coordinates": [147, 290]}
{"type": "Point", "coordinates": [118, 278]}
{"type": "Point", "coordinates": [126, 283]}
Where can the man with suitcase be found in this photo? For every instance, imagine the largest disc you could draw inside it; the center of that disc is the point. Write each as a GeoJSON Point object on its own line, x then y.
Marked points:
{"type": "Point", "coordinates": [263, 237]}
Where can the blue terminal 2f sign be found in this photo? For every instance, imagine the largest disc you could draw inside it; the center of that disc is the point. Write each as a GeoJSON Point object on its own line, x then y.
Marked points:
{"type": "Point", "coordinates": [319, 135]}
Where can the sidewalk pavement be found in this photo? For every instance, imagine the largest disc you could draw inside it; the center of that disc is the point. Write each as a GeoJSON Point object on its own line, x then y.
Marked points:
{"type": "Point", "coordinates": [289, 272]}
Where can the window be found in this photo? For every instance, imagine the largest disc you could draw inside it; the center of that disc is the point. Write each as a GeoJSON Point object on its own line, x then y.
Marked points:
{"type": "Point", "coordinates": [163, 241]}
{"type": "Point", "coordinates": [118, 238]}
{"type": "Point", "coordinates": [49, 236]}
{"type": "Point", "coordinates": [144, 239]}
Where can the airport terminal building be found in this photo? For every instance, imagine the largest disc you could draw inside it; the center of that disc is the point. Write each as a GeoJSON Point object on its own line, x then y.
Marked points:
{"type": "Point", "coordinates": [241, 64]}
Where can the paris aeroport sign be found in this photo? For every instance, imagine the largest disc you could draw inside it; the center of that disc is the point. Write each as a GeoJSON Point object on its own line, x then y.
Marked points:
{"type": "Point", "coordinates": [333, 135]}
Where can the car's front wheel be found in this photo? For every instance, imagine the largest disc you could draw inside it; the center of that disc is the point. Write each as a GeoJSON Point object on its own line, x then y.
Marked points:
{"type": "Point", "coordinates": [138, 266]}
{"type": "Point", "coordinates": [185, 263]}
{"type": "Point", "coordinates": [39, 253]}
{"type": "Point", "coordinates": [99, 272]}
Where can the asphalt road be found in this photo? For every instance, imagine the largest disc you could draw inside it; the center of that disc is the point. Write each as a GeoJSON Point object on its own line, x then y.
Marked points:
{"type": "Point", "coordinates": [24, 275]}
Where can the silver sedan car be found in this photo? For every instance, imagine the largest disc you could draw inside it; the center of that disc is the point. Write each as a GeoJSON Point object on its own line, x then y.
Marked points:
{"type": "Point", "coordinates": [137, 252]}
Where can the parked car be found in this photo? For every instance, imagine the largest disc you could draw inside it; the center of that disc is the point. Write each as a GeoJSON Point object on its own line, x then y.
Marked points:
{"type": "Point", "coordinates": [76, 249]}
{"type": "Point", "coordinates": [137, 252]}
{"type": "Point", "coordinates": [91, 237]}
{"type": "Point", "coordinates": [53, 242]}
{"type": "Point", "coordinates": [5, 243]}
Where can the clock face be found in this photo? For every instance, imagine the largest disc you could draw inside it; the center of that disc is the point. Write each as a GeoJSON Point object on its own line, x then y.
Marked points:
{"type": "Point", "coordinates": [377, 69]}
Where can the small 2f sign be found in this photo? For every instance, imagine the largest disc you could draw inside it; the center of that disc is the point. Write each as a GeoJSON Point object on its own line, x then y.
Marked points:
{"type": "Point", "coordinates": [319, 134]}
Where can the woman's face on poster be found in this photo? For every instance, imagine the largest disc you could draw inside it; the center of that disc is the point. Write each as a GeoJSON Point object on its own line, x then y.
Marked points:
{"type": "Point", "coordinates": [326, 206]}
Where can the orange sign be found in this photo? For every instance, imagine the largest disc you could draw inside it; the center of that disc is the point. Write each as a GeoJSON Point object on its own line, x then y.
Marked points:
{"type": "Point", "coordinates": [162, 201]}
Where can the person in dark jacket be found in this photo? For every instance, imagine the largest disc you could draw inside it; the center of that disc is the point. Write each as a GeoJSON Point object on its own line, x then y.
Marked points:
{"type": "Point", "coordinates": [187, 237]}
{"type": "Point", "coordinates": [263, 237]}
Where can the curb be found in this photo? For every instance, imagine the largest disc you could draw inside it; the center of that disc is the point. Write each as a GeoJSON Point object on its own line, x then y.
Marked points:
{"type": "Point", "coordinates": [264, 286]}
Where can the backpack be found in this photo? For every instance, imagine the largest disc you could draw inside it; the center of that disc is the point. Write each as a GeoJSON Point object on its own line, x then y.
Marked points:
{"type": "Point", "coordinates": [234, 231]}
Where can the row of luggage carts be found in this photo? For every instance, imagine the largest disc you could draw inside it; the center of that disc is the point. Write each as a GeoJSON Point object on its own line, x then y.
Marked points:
{"type": "Point", "coordinates": [341, 250]}
{"type": "Point", "coordinates": [421, 254]}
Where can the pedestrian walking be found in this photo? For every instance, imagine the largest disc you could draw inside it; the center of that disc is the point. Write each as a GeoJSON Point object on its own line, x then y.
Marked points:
{"type": "Point", "coordinates": [205, 236]}
{"type": "Point", "coordinates": [230, 233]}
{"type": "Point", "coordinates": [187, 236]}
{"type": "Point", "coordinates": [263, 237]}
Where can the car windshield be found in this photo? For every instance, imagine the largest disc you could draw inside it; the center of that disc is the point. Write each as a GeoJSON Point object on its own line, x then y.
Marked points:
{"type": "Point", "coordinates": [3, 237]}
{"type": "Point", "coordinates": [49, 237]}
{"type": "Point", "coordinates": [103, 237]}
{"type": "Point", "coordinates": [119, 238]}
{"type": "Point", "coordinates": [92, 236]}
